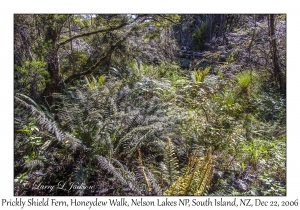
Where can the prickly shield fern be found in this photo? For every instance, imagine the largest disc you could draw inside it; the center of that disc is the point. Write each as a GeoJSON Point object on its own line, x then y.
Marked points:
{"type": "Point", "coordinates": [44, 120]}
{"type": "Point", "coordinates": [113, 119]}
{"type": "Point", "coordinates": [41, 149]}
{"type": "Point", "coordinates": [114, 123]}
{"type": "Point", "coordinates": [169, 166]}
{"type": "Point", "coordinates": [140, 181]}
{"type": "Point", "coordinates": [120, 173]}
{"type": "Point", "coordinates": [80, 177]}
{"type": "Point", "coordinates": [199, 75]}
{"type": "Point", "coordinates": [197, 177]}
{"type": "Point", "coordinates": [142, 168]}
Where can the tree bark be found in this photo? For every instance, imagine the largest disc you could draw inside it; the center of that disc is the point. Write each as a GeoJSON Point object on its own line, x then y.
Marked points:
{"type": "Point", "coordinates": [71, 47]}
{"type": "Point", "coordinates": [53, 67]}
{"type": "Point", "coordinates": [221, 27]}
{"type": "Point", "coordinates": [25, 42]}
{"type": "Point", "coordinates": [278, 77]}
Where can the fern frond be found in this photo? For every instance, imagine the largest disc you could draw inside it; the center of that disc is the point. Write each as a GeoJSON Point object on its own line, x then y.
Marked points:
{"type": "Point", "coordinates": [28, 100]}
{"type": "Point", "coordinates": [32, 164]}
{"type": "Point", "coordinates": [101, 80]}
{"type": "Point", "coordinates": [143, 170]}
{"type": "Point", "coordinates": [46, 145]}
{"type": "Point", "coordinates": [135, 131]}
{"type": "Point", "coordinates": [46, 123]}
{"type": "Point", "coordinates": [153, 181]}
{"type": "Point", "coordinates": [199, 75]}
{"type": "Point", "coordinates": [80, 176]}
{"type": "Point", "coordinates": [170, 163]}
{"type": "Point", "coordinates": [197, 177]}
{"type": "Point", "coordinates": [106, 165]}
{"type": "Point", "coordinates": [135, 144]}
{"type": "Point", "coordinates": [122, 175]}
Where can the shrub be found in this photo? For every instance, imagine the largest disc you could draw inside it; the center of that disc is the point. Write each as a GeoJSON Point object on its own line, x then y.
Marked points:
{"type": "Point", "coordinates": [199, 36]}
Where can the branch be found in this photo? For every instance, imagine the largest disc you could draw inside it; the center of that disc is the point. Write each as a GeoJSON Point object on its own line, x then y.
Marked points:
{"type": "Point", "coordinates": [99, 62]}
{"type": "Point", "coordinates": [168, 19]}
{"type": "Point", "coordinates": [100, 31]}
{"type": "Point", "coordinates": [107, 55]}
{"type": "Point", "coordinates": [91, 33]}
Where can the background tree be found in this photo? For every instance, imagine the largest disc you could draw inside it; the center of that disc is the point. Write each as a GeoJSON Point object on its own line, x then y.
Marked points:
{"type": "Point", "coordinates": [98, 39]}
{"type": "Point", "coordinates": [278, 75]}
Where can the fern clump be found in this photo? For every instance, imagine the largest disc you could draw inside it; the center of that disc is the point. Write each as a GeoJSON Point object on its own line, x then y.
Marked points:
{"type": "Point", "coordinates": [45, 121]}
{"type": "Point", "coordinates": [199, 75]}
{"type": "Point", "coordinates": [196, 178]}
{"type": "Point", "coordinates": [115, 124]}
{"type": "Point", "coordinates": [93, 82]}
{"type": "Point", "coordinates": [244, 79]}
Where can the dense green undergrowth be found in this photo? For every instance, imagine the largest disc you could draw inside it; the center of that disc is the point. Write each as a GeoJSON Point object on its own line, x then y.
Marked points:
{"type": "Point", "coordinates": [134, 135]}
{"type": "Point", "coordinates": [109, 105]}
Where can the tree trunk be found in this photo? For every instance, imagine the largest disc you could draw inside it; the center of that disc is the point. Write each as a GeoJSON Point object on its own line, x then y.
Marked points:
{"type": "Point", "coordinates": [278, 77]}
{"type": "Point", "coordinates": [26, 43]}
{"type": "Point", "coordinates": [71, 46]}
{"type": "Point", "coordinates": [221, 27]}
{"type": "Point", "coordinates": [53, 67]}
{"type": "Point", "coordinates": [54, 84]}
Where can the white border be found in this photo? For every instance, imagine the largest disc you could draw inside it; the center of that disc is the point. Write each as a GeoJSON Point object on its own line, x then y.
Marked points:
{"type": "Point", "coordinates": [8, 8]}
